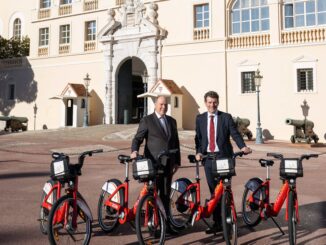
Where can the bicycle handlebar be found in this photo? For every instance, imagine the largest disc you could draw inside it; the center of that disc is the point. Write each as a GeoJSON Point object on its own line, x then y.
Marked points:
{"type": "Point", "coordinates": [192, 158]}
{"type": "Point", "coordinates": [167, 153]}
{"type": "Point", "coordinates": [281, 157]}
{"type": "Point", "coordinates": [85, 153]}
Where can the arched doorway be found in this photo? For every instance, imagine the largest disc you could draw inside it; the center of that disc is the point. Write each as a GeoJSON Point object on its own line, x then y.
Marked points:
{"type": "Point", "coordinates": [131, 82]}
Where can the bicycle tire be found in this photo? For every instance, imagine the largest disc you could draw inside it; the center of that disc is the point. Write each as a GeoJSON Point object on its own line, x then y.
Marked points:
{"type": "Point", "coordinates": [229, 222]}
{"type": "Point", "coordinates": [150, 223]}
{"type": "Point", "coordinates": [292, 218]}
{"type": "Point", "coordinates": [251, 210]}
{"type": "Point", "coordinates": [108, 217]}
{"type": "Point", "coordinates": [180, 213]}
{"type": "Point", "coordinates": [44, 212]}
{"type": "Point", "coordinates": [66, 232]}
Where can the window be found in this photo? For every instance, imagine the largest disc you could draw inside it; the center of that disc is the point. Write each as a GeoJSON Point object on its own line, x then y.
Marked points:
{"type": "Point", "coordinates": [83, 104]}
{"type": "Point", "coordinates": [302, 13]}
{"type": "Point", "coordinates": [249, 16]}
{"type": "Point", "coordinates": [64, 34]}
{"type": "Point", "coordinates": [90, 30]}
{"type": "Point", "coordinates": [248, 82]}
{"type": "Point", "coordinates": [201, 16]}
{"type": "Point", "coordinates": [17, 30]}
{"type": "Point", "coordinates": [11, 91]}
{"type": "Point", "coordinates": [62, 2]}
{"type": "Point", "coordinates": [305, 79]}
{"type": "Point", "coordinates": [45, 4]}
{"type": "Point", "coordinates": [44, 37]}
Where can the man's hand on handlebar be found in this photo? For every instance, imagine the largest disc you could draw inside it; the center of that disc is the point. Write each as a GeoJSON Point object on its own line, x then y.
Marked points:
{"type": "Point", "coordinates": [199, 157]}
{"type": "Point", "coordinates": [134, 154]}
{"type": "Point", "coordinates": [246, 149]}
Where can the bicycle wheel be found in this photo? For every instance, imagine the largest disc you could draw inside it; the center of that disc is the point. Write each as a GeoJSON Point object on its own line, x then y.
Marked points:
{"type": "Point", "coordinates": [180, 199]}
{"type": "Point", "coordinates": [250, 207]}
{"type": "Point", "coordinates": [292, 218]}
{"type": "Point", "coordinates": [60, 227]}
{"type": "Point", "coordinates": [44, 212]}
{"type": "Point", "coordinates": [150, 223]}
{"type": "Point", "coordinates": [229, 221]}
{"type": "Point", "coordinates": [108, 217]}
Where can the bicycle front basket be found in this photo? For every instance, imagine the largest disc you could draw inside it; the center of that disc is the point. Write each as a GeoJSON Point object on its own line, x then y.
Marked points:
{"type": "Point", "coordinates": [223, 167]}
{"type": "Point", "coordinates": [143, 170]}
{"type": "Point", "coordinates": [291, 168]}
{"type": "Point", "coordinates": [60, 168]}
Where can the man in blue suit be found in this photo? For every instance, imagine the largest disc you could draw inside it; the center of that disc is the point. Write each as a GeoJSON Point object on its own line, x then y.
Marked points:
{"type": "Point", "coordinates": [213, 131]}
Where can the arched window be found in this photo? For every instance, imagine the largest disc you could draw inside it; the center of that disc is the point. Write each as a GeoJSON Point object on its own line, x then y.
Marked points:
{"type": "Point", "coordinates": [249, 16]}
{"type": "Point", "coordinates": [17, 29]}
{"type": "Point", "coordinates": [301, 13]}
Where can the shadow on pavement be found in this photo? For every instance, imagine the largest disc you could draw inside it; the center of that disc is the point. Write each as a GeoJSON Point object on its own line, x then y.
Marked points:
{"type": "Point", "coordinates": [24, 175]}
{"type": "Point", "coordinates": [312, 218]}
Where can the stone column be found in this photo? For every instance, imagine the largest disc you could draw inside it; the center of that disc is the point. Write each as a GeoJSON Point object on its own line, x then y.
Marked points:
{"type": "Point", "coordinates": [108, 117]}
{"type": "Point", "coordinates": [152, 75]}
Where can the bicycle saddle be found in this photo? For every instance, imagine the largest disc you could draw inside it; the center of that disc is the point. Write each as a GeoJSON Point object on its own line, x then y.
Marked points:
{"type": "Point", "coordinates": [266, 162]}
{"type": "Point", "coordinates": [123, 158]}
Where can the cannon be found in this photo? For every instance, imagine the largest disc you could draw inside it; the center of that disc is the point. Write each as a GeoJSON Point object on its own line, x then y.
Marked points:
{"type": "Point", "coordinates": [302, 131]}
{"type": "Point", "coordinates": [14, 124]}
{"type": "Point", "coordinates": [242, 126]}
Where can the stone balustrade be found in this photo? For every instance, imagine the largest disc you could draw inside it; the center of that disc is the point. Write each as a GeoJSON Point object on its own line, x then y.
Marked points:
{"type": "Point", "coordinates": [65, 9]}
{"type": "Point", "coordinates": [64, 48]}
{"type": "Point", "coordinates": [44, 13]}
{"type": "Point", "coordinates": [119, 2]}
{"type": "Point", "coordinates": [303, 36]}
{"type": "Point", "coordinates": [12, 62]}
{"type": "Point", "coordinates": [201, 33]}
{"type": "Point", "coordinates": [90, 5]}
{"type": "Point", "coordinates": [43, 51]}
{"type": "Point", "coordinates": [89, 45]}
{"type": "Point", "coordinates": [249, 41]}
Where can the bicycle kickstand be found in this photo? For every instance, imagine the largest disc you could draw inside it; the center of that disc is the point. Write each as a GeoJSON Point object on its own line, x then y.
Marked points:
{"type": "Point", "coordinates": [278, 226]}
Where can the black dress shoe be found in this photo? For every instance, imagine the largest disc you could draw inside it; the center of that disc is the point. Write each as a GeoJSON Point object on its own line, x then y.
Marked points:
{"type": "Point", "coordinates": [215, 228]}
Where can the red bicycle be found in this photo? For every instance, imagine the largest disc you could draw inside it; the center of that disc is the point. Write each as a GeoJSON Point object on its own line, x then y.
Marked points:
{"type": "Point", "coordinates": [148, 210]}
{"type": "Point", "coordinates": [113, 203]}
{"type": "Point", "coordinates": [70, 218]}
{"type": "Point", "coordinates": [185, 204]}
{"type": "Point", "coordinates": [256, 204]}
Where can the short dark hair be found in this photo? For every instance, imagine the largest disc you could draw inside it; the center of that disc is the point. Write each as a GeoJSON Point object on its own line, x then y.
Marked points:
{"type": "Point", "coordinates": [211, 94]}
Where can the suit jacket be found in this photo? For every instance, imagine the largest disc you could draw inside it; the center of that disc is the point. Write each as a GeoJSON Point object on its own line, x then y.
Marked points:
{"type": "Point", "coordinates": [225, 128]}
{"type": "Point", "coordinates": [157, 141]}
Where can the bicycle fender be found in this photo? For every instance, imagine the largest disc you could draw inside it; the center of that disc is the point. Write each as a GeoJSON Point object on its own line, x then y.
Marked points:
{"type": "Point", "coordinates": [159, 203]}
{"type": "Point", "coordinates": [253, 183]}
{"type": "Point", "coordinates": [180, 185]}
{"type": "Point", "coordinates": [110, 187]}
{"type": "Point", "coordinates": [84, 207]}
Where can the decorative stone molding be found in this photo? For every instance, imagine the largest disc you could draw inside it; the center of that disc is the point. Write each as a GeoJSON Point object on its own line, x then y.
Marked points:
{"type": "Point", "coordinates": [134, 32]}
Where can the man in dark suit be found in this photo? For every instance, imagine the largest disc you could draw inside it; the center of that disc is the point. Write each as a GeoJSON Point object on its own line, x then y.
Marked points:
{"type": "Point", "coordinates": [161, 134]}
{"type": "Point", "coordinates": [213, 131]}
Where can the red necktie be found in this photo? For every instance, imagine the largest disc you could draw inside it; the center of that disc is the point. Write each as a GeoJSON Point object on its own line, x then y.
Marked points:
{"type": "Point", "coordinates": [212, 135]}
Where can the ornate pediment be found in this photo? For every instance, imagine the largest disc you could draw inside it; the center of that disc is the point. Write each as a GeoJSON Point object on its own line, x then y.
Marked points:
{"type": "Point", "coordinates": [248, 63]}
{"type": "Point", "coordinates": [304, 58]}
{"type": "Point", "coordinates": [132, 19]}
